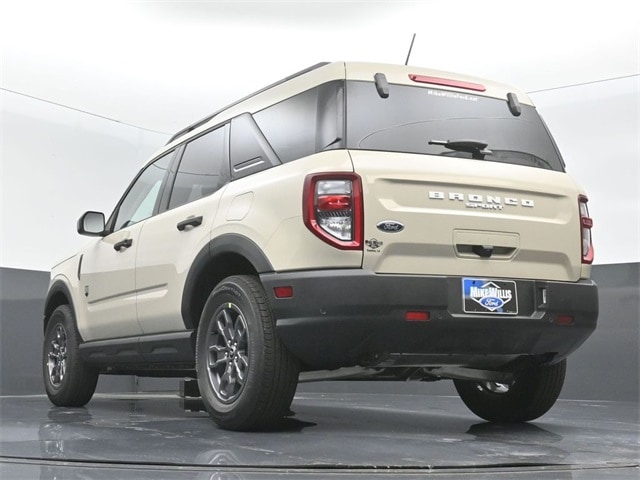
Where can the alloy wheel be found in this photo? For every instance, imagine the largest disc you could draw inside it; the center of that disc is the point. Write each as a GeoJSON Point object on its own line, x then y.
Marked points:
{"type": "Point", "coordinates": [228, 357]}
{"type": "Point", "coordinates": [57, 356]}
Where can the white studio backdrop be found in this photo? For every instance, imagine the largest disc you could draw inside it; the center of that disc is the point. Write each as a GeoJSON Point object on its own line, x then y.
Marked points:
{"type": "Point", "coordinates": [88, 90]}
{"type": "Point", "coordinates": [56, 163]}
{"type": "Point", "coordinates": [597, 129]}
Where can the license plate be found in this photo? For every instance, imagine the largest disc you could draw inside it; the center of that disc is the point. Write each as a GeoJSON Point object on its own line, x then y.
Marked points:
{"type": "Point", "coordinates": [496, 297]}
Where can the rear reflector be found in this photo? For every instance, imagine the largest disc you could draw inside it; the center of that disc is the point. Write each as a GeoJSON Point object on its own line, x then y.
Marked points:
{"type": "Point", "coordinates": [283, 292]}
{"type": "Point", "coordinates": [417, 316]}
{"type": "Point", "coordinates": [565, 320]}
{"type": "Point", "coordinates": [447, 82]}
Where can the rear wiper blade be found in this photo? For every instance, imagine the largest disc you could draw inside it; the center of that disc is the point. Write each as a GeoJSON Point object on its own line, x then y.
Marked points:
{"type": "Point", "coordinates": [477, 149]}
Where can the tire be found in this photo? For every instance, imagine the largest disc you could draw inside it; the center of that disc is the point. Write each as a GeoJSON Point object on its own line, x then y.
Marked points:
{"type": "Point", "coordinates": [246, 377]}
{"type": "Point", "coordinates": [529, 396]}
{"type": "Point", "coordinates": [67, 380]}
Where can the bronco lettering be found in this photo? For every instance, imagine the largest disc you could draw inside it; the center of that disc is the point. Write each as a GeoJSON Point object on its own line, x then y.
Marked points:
{"type": "Point", "coordinates": [474, 200]}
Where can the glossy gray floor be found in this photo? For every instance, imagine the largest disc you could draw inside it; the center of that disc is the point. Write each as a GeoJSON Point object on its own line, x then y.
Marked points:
{"type": "Point", "coordinates": [339, 435]}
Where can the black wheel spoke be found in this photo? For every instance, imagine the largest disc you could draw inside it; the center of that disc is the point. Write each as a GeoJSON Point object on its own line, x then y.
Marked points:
{"type": "Point", "coordinates": [227, 382]}
{"type": "Point", "coordinates": [240, 364]}
{"type": "Point", "coordinates": [217, 356]}
{"type": "Point", "coordinates": [57, 356]}
{"type": "Point", "coordinates": [224, 325]}
{"type": "Point", "coordinates": [240, 329]}
{"type": "Point", "coordinates": [228, 360]}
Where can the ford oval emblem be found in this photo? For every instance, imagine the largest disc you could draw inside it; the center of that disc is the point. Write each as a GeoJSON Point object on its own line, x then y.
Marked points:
{"type": "Point", "coordinates": [390, 226]}
{"type": "Point", "coordinates": [491, 303]}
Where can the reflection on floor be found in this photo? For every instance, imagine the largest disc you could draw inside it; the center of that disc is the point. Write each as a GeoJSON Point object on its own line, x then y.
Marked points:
{"type": "Point", "coordinates": [337, 435]}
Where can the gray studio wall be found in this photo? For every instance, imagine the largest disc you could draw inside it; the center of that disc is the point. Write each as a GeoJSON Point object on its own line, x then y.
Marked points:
{"type": "Point", "coordinates": [21, 332]}
{"type": "Point", "coordinates": [604, 368]}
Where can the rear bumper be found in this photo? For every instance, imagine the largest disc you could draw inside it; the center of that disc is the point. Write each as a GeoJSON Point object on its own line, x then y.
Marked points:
{"type": "Point", "coordinates": [339, 318]}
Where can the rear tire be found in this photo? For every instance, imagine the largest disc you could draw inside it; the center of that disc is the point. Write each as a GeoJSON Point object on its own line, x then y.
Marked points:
{"type": "Point", "coordinates": [247, 378]}
{"type": "Point", "coordinates": [529, 396]}
{"type": "Point", "coordinates": [67, 380]}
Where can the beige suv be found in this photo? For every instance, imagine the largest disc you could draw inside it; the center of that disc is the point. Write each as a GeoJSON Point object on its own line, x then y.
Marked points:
{"type": "Point", "coordinates": [398, 222]}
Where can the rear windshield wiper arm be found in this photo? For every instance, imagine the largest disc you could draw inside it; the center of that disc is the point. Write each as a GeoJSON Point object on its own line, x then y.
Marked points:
{"type": "Point", "coordinates": [476, 148]}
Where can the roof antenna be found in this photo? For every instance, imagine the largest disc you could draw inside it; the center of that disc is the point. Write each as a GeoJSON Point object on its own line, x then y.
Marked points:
{"type": "Point", "coordinates": [410, 48]}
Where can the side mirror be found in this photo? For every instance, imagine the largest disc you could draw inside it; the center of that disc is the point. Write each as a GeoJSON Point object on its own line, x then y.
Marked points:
{"type": "Point", "coordinates": [91, 224]}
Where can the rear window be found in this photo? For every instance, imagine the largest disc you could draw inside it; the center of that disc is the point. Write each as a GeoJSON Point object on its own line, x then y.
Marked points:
{"type": "Point", "coordinates": [411, 117]}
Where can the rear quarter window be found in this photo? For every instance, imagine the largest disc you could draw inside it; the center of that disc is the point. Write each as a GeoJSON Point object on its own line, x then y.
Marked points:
{"type": "Point", "coordinates": [307, 123]}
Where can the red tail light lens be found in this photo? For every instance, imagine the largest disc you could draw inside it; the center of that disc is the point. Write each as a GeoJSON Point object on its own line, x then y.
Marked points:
{"type": "Point", "coordinates": [585, 230]}
{"type": "Point", "coordinates": [327, 203]}
{"type": "Point", "coordinates": [332, 204]}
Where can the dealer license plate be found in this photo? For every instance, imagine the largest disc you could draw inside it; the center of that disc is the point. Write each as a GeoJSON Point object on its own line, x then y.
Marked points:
{"type": "Point", "coordinates": [497, 297]}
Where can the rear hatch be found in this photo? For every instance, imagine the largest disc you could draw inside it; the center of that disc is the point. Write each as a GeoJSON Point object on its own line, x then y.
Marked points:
{"type": "Point", "coordinates": [460, 183]}
{"type": "Point", "coordinates": [451, 216]}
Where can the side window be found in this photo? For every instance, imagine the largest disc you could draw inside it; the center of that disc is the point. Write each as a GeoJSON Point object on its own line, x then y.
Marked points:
{"type": "Point", "coordinates": [203, 168]}
{"type": "Point", "coordinates": [306, 123]}
{"type": "Point", "coordinates": [250, 152]}
{"type": "Point", "coordinates": [141, 198]}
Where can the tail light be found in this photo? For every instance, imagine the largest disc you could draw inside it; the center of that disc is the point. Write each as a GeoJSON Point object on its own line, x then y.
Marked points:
{"type": "Point", "coordinates": [585, 230]}
{"type": "Point", "coordinates": [332, 205]}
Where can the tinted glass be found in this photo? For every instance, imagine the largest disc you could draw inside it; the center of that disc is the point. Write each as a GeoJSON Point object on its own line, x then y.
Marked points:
{"type": "Point", "coordinates": [412, 116]}
{"type": "Point", "coordinates": [202, 169]}
{"type": "Point", "coordinates": [306, 123]}
{"type": "Point", "coordinates": [250, 152]}
{"type": "Point", "coordinates": [140, 201]}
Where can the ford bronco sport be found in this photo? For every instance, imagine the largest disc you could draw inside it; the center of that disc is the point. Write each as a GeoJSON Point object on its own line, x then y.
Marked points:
{"type": "Point", "coordinates": [399, 222]}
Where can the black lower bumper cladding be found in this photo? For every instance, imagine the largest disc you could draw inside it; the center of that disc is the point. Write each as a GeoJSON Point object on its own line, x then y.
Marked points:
{"type": "Point", "coordinates": [338, 318]}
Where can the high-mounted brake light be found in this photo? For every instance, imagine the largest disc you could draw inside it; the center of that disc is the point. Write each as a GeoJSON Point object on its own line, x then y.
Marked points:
{"type": "Point", "coordinates": [586, 223]}
{"type": "Point", "coordinates": [332, 208]}
{"type": "Point", "coordinates": [447, 82]}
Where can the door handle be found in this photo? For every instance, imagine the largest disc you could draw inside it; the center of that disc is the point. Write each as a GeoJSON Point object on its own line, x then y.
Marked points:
{"type": "Point", "coordinates": [191, 221]}
{"type": "Point", "coordinates": [126, 243]}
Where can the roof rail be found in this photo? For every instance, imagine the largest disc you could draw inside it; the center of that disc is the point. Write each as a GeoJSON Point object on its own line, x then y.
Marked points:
{"type": "Point", "coordinates": [201, 122]}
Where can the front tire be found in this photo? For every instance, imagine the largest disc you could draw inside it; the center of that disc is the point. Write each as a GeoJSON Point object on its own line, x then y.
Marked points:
{"type": "Point", "coordinates": [67, 380]}
{"type": "Point", "coordinates": [247, 378]}
{"type": "Point", "coordinates": [529, 396]}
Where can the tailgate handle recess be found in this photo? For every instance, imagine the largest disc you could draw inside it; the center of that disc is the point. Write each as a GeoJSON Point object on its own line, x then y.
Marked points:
{"type": "Point", "coordinates": [485, 251]}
